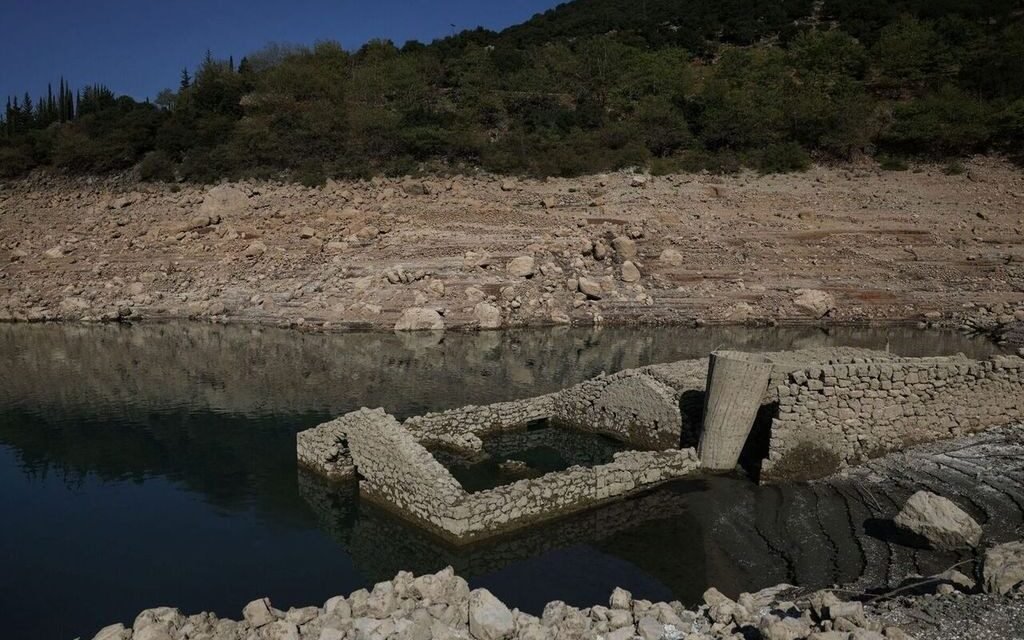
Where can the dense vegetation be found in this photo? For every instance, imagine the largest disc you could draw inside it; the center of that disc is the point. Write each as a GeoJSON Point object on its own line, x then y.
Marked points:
{"type": "Point", "coordinates": [588, 86]}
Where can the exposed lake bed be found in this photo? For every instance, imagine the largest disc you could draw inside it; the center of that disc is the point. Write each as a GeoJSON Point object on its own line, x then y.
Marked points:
{"type": "Point", "coordinates": [155, 465]}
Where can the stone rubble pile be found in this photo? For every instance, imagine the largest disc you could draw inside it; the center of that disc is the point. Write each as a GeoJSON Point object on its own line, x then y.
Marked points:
{"type": "Point", "coordinates": [442, 606]}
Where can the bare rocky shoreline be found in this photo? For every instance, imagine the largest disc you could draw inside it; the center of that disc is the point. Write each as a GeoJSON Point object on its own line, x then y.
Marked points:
{"type": "Point", "coordinates": [834, 245]}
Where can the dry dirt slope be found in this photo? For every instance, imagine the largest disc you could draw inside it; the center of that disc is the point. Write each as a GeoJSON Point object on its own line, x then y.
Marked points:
{"type": "Point", "coordinates": [618, 248]}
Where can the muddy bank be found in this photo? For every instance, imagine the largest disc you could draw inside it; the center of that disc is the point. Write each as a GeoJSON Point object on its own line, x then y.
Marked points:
{"type": "Point", "coordinates": [830, 246]}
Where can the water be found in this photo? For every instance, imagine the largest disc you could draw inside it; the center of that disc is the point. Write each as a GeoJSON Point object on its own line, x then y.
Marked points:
{"type": "Point", "coordinates": [155, 465]}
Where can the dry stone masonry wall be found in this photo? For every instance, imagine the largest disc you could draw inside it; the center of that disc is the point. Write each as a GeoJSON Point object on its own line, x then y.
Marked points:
{"type": "Point", "coordinates": [849, 411]}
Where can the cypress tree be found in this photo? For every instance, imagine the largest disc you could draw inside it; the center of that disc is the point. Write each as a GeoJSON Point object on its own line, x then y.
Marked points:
{"type": "Point", "coordinates": [186, 80]}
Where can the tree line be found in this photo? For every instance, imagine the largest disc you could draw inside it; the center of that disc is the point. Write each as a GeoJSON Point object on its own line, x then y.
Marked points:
{"type": "Point", "coordinates": [590, 86]}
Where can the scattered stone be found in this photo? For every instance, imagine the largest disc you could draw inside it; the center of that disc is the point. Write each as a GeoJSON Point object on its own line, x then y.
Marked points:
{"type": "Point", "coordinates": [943, 524]}
{"type": "Point", "coordinates": [307, 232]}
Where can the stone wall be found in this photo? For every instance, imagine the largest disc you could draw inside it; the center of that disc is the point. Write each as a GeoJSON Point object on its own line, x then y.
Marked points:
{"type": "Point", "coordinates": [555, 494]}
{"type": "Point", "coordinates": [631, 406]}
{"type": "Point", "coordinates": [324, 451]}
{"type": "Point", "coordinates": [846, 412]}
{"type": "Point", "coordinates": [397, 472]}
{"type": "Point", "coordinates": [461, 429]}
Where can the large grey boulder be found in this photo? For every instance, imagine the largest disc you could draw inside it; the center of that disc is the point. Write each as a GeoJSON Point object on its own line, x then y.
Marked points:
{"type": "Point", "coordinates": [938, 520]}
{"type": "Point", "coordinates": [420, 319]}
{"type": "Point", "coordinates": [489, 618]}
{"type": "Point", "coordinates": [1003, 569]}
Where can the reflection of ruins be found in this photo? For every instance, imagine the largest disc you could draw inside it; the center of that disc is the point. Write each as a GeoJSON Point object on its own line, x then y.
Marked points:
{"type": "Point", "coordinates": [724, 531]}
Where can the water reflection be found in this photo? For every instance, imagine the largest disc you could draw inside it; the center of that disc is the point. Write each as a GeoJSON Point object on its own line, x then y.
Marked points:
{"type": "Point", "coordinates": [155, 465]}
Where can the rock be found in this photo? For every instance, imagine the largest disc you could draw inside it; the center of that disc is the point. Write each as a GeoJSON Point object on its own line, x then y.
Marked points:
{"type": "Point", "coordinates": [487, 315]}
{"type": "Point", "coordinates": [381, 602]}
{"type": "Point", "coordinates": [255, 250]}
{"type": "Point", "coordinates": [624, 247]}
{"type": "Point", "coordinates": [639, 181]}
{"type": "Point", "coordinates": [629, 272]}
{"type": "Point", "coordinates": [815, 302]}
{"type": "Point", "coordinates": [671, 257]}
{"type": "Point", "coordinates": [508, 185]}
{"type": "Point", "coordinates": [600, 250]}
{"type": "Point", "coordinates": [280, 630]}
{"type": "Point", "coordinates": [489, 618]}
{"type": "Point", "coordinates": [620, 599]}
{"type": "Point", "coordinates": [54, 253]}
{"type": "Point", "coordinates": [650, 629]}
{"type": "Point", "coordinates": [784, 629]}
{"type": "Point", "coordinates": [224, 199]}
{"type": "Point", "coordinates": [1003, 568]}
{"type": "Point", "coordinates": [523, 266]}
{"type": "Point", "coordinates": [307, 232]}
{"type": "Point", "coordinates": [591, 288]}
{"type": "Point", "coordinates": [258, 613]}
{"type": "Point", "coordinates": [113, 632]}
{"type": "Point", "coordinates": [943, 524]}
{"type": "Point", "coordinates": [420, 319]}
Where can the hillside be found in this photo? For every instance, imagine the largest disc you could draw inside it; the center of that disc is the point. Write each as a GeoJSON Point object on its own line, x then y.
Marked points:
{"type": "Point", "coordinates": [589, 86]}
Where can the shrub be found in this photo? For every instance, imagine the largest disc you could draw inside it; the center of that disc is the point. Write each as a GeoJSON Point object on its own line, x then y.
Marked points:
{"type": "Point", "coordinates": [157, 167]}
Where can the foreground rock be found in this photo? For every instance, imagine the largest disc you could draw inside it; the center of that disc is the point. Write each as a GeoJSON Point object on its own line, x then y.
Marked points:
{"type": "Point", "coordinates": [1004, 568]}
{"type": "Point", "coordinates": [441, 606]}
{"type": "Point", "coordinates": [939, 521]}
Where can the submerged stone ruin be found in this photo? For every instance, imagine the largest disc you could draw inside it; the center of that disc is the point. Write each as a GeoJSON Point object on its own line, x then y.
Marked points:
{"type": "Point", "coordinates": [786, 415]}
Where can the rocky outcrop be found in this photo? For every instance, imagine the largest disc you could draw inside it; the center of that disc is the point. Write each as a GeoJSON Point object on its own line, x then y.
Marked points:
{"type": "Point", "coordinates": [939, 521]}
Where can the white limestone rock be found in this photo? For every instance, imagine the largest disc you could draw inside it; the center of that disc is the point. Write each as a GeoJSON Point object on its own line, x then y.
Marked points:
{"type": "Point", "coordinates": [943, 524]}
{"type": "Point", "coordinates": [489, 618]}
{"type": "Point", "coordinates": [523, 266]}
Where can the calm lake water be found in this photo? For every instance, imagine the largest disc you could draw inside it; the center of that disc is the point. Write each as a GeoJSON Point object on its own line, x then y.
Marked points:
{"type": "Point", "coordinates": [155, 465]}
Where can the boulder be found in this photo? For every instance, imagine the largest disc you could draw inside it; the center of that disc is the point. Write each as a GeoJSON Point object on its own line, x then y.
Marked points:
{"type": "Point", "coordinates": [814, 301]}
{"type": "Point", "coordinates": [523, 266]}
{"type": "Point", "coordinates": [624, 247]}
{"type": "Point", "coordinates": [1003, 569]}
{"type": "Point", "coordinates": [489, 618]}
{"type": "Point", "coordinates": [630, 273]}
{"type": "Point", "coordinates": [420, 319]}
{"type": "Point", "coordinates": [943, 524]}
{"type": "Point", "coordinates": [224, 199]}
{"type": "Point", "coordinates": [487, 315]}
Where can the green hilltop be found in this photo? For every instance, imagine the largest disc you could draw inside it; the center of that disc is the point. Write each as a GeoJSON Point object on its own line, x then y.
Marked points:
{"type": "Point", "coordinates": [588, 86]}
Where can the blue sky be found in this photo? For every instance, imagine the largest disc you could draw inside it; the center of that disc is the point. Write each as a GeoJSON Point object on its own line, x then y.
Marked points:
{"type": "Point", "coordinates": [138, 47]}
